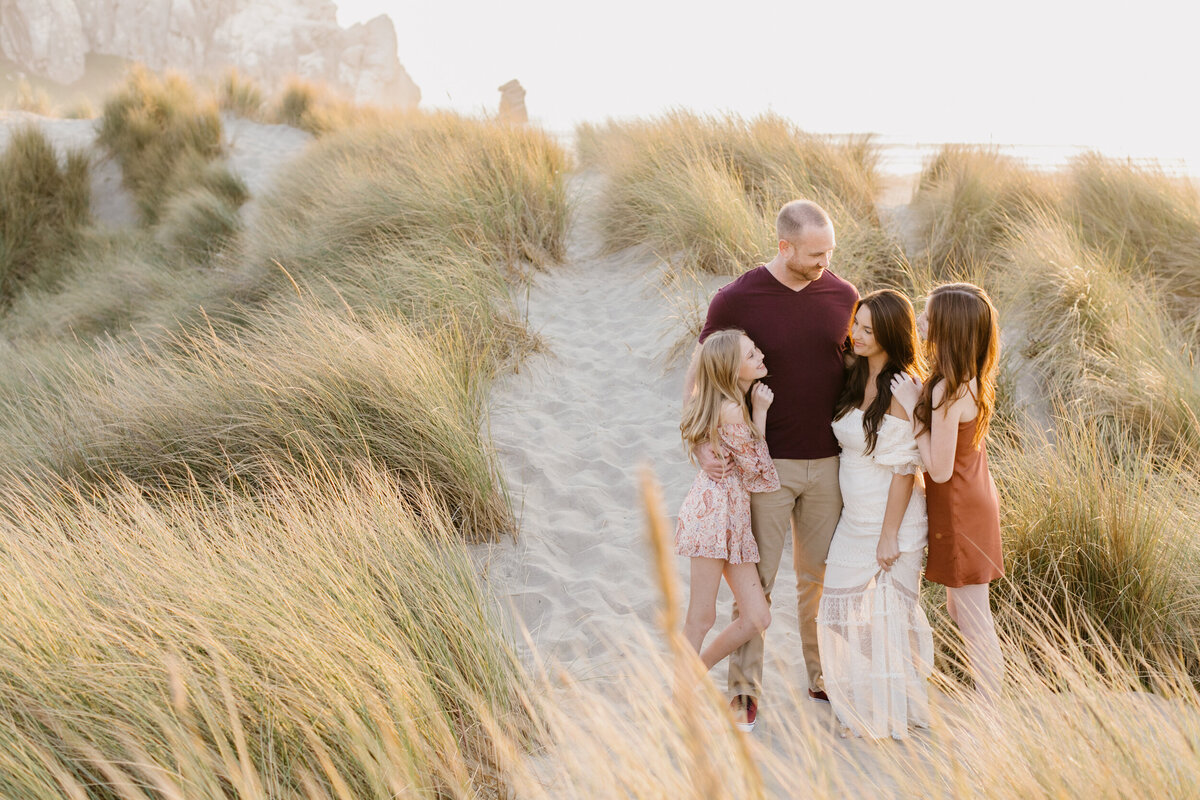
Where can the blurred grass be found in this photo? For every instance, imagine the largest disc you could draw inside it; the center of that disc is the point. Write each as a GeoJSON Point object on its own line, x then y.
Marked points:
{"type": "Point", "coordinates": [43, 210]}
{"type": "Point", "coordinates": [162, 134]}
{"type": "Point", "coordinates": [1147, 221]}
{"type": "Point", "coordinates": [326, 631]}
{"type": "Point", "coordinates": [1097, 536]}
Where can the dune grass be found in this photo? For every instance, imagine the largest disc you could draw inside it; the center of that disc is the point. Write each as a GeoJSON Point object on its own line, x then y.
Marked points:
{"type": "Point", "coordinates": [1091, 332]}
{"type": "Point", "coordinates": [1148, 221]}
{"type": "Point", "coordinates": [703, 192]}
{"type": "Point", "coordinates": [967, 199]}
{"type": "Point", "coordinates": [361, 318]}
{"type": "Point", "coordinates": [161, 133]}
{"type": "Point", "coordinates": [322, 636]}
{"type": "Point", "coordinates": [325, 638]}
{"type": "Point", "coordinates": [471, 186]}
{"type": "Point", "coordinates": [1098, 537]}
{"type": "Point", "coordinates": [29, 98]}
{"type": "Point", "coordinates": [256, 477]}
{"type": "Point", "coordinates": [240, 95]}
{"type": "Point", "coordinates": [43, 209]}
{"type": "Point", "coordinates": [303, 385]}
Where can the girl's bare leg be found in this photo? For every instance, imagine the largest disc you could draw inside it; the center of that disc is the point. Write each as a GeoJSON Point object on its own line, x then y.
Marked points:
{"type": "Point", "coordinates": [753, 618]}
{"type": "Point", "coordinates": [702, 602]}
{"type": "Point", "coordinates": [971, 611]}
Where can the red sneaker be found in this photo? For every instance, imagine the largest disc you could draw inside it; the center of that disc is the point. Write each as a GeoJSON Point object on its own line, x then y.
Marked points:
{"type": "Point", "coordinates": [745, 711]}
{"type": "Point", "coordinates": [818, 695]}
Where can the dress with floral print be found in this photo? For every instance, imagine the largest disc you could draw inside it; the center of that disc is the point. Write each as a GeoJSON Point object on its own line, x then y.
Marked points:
{"type": "Point", "coordinates": [714, 521]}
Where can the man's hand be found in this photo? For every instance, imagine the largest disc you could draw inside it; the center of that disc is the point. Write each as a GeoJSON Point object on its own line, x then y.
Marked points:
{"type": "Point", "coordinates": [714, 467]}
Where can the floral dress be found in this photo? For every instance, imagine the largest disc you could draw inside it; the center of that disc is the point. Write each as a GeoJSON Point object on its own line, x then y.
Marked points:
{"type": "Point", "coordinates": [714, 521]}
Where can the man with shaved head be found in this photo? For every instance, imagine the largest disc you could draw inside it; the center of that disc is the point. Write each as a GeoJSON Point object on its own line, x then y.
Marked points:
{"type": "Point", "coordinates": [798, 313]}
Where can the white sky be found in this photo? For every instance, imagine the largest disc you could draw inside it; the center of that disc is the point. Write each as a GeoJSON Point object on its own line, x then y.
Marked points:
{"type": "Point", "coordinates": [1121, 78]}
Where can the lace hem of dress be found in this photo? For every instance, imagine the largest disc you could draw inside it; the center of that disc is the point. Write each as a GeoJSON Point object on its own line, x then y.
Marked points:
{"type": "Point", "coordinates": [877, 649]}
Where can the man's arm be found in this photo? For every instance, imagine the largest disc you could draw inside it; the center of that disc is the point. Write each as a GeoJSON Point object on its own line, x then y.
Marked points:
{"type": "Point", "coordinates": [689, 380]}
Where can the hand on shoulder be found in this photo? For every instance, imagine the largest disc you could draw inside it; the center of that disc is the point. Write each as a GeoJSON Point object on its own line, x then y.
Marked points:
{"type": "Point", "coordinates": [906, 390]}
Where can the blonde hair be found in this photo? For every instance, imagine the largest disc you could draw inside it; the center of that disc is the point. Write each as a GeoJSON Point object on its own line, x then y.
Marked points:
{"type": "Point", "coordinates": [716, 384]}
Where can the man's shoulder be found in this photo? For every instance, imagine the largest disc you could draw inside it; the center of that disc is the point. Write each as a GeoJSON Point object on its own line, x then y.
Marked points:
{"type": "Point", "coordinates": [749, 279]}
{"type": "Point", "coordinates": [840, 285]}
{"type": "Point", "coordinates": [728, 307]}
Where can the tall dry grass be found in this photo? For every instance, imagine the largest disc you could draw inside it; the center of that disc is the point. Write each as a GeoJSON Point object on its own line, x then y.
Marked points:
{"type": "Point", "coordinates": [1146, 220]}
{"type": "Point", "coordinates": [322, 639]}
{"type": "Point", "coordinates": [1094, 333]}
{"type": "Point", "coordinates": [1098, 537]}
{"type": "Point", "coordinates": [240, 95]}
{"type": "Point", "coordinates": [703, 192]}
{"type": "Point", "coordinates": [966, 201]}
{"type": "Point", "coordinates": [305, 385]}
{"type": "Point", "coordinates": [162, 134]}
{"type": "Point", "coordinates": [325, 636]}
{"type": "Point", "coordinates": [471, 186]}
{"type": "Point", "coordinates": [44, 206]}
{"type": "Point", "coordinates": [361, 318]}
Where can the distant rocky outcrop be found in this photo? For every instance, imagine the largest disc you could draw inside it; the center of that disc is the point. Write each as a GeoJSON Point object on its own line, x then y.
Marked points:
{"type": "Point", "coordinates": [512, 102]}
{"type": "Point", "coordinates": [265, 39]}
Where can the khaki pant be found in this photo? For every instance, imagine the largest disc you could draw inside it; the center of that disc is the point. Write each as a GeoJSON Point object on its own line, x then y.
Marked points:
{"type": "Point", "coordinates": [807, 504]}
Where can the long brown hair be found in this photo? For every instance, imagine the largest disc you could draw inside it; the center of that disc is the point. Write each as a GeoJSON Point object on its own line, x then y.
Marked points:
{"type": "Point", "coordinates": [894, 326]}
{"type": "Point", "coordinates": [963, 343]}
{"type": "Point", "coordinates": [716, 383]}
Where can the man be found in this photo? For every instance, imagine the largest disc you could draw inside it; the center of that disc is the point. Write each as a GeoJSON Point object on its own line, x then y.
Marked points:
{"type": "Point", "coordinates": [798, 313]}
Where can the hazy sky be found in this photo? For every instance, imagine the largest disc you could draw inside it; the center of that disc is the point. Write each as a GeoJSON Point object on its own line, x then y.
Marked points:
{"type": "Point", "coordinates": [1121, 78]}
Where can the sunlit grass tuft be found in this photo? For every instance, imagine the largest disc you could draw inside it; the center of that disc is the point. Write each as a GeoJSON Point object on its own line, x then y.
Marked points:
{"type": "Point", "coordinates": [1148, 221]}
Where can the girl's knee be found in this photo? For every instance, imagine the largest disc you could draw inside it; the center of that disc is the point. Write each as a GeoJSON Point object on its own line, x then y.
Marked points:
{"type": "Point", "coordinates": [701, 622]}
{"type": "Point", "coordinates": [761, 620]}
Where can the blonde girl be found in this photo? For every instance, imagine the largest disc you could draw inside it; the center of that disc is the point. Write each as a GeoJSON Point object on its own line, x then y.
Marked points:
{"type": "Point", "coordinates": [714, 521]}
{"type": "Point", "coordinates": [951, 413]}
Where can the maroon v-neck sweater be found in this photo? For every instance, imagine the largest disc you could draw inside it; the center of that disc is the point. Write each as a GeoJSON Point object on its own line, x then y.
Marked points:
{"type": "Point", "coordinates": [802, 335]}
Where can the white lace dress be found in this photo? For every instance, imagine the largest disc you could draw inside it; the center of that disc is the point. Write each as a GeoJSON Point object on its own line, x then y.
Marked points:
{"type": "Point", "coordinates": [876, 645]}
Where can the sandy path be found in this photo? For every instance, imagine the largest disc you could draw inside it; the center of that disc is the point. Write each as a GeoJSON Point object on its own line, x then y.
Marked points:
{"type": "Point", "coordinates": [572, 428]}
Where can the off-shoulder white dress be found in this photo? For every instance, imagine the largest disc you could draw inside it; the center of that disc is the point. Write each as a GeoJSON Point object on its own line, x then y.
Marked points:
{"type": "Point", "coordinates": [876, 645]}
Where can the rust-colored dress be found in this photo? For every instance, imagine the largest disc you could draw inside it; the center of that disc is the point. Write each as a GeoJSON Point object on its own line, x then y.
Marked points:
{"type": "Point", "coordinates": [964, 519]}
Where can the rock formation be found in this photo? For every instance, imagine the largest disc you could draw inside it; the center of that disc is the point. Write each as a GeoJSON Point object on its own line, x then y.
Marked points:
{"type": "Point", "coordinates": [512, 102]}
{"type": "Point", "coordinates": [264, 39]}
